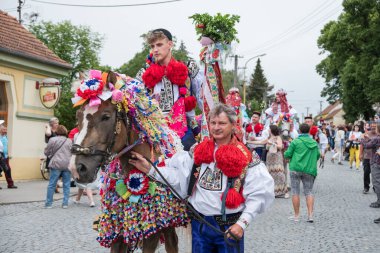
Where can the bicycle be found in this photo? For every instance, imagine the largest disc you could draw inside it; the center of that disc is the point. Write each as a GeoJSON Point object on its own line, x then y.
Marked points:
{"type": "Point", "coordinates": [45, 171]}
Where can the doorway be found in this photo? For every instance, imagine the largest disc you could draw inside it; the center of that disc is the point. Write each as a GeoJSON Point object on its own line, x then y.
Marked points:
{"type": "Point", "coordinates": [3, 103]}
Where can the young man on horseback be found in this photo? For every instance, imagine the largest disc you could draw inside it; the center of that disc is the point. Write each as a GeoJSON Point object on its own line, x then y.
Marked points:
{"type": "Point", "coordinates": [167, 79]}
{"type": "Point", "coordinates": [226, 185]}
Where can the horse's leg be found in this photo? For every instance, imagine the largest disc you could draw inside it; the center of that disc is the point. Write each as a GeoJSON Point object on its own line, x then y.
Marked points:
{"type": "Point", "coordinates": [119, 246]}
{"type": "Point", "coordinates": [150, 244]}
{"type": "Point", "coordinates": [171, 240]}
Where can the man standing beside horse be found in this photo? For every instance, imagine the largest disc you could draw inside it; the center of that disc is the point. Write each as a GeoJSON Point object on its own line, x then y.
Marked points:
{"type": "Point", "coordinates": [167, 79]}
{"type": "Point", "coordinates": [223, 182]}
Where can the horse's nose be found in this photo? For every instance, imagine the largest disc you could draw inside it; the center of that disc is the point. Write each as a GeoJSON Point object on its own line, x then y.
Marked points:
{"type": "Point", "coordinates": [81, 168]}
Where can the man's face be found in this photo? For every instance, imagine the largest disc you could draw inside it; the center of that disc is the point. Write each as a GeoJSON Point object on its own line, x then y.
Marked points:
{"type": "Point", "coordinates": [309, 122]}
{"type": "Point", "coordinates": [373, 128]}
{"type": "Point", "coordinates": [275, 108]}
{"type": "Point", "coordinates": [3, 130]}
{"type": "Point", "coordinates": [220, 127]}
{"type": "Point", "coordinates": [255, 118]}
{"type": "Point", "coordinates": [161, 50]}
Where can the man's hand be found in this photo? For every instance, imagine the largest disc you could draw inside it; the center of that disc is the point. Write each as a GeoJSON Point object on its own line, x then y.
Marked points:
{"type": "Point", "coordinates": [236, 230]}
{"type": "Point", "coordinates": [139, 162]}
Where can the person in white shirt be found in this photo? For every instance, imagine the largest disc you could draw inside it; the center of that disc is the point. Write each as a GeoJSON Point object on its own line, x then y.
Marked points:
{"type": "Point", "coordinates": [227, 186]}
{"type": "Point", "coordinates": [323, 140]}
{"type": "Point", "coordinates": [339, 145]}
{"type": "Point", "coordinates": [258, 133]}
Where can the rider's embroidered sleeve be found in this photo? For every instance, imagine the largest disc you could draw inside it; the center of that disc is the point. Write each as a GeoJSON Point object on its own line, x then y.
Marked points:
{"type": "Point", "coordinates": [258, 193]}
{"type": "Point", "coordinates": [176, 171]}
{"type": "Point", "coordinates": [196, 84]}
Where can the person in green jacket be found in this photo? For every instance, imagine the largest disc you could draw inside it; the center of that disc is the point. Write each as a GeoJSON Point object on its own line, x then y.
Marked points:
{"type": "Point", "coordinates": [303, 153]}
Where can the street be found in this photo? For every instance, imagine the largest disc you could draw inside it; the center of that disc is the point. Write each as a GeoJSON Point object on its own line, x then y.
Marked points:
{"type": "Point", "coordinates": [343, 222]}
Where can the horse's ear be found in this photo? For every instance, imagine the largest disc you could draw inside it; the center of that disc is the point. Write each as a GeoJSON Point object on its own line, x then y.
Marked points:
{"type": "Point", "coordinates": [76, 83]}
{"type": "Point", "coordinates": [112, 77]}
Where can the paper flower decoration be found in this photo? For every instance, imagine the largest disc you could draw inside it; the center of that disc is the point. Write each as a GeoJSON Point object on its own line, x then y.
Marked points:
{"type": "Point", "coordinates": [91, 89]}
{"type": "Point", "coordinates": [137, 182]}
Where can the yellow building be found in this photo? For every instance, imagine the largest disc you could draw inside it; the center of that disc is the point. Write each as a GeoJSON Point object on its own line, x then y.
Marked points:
{"type": "Point", "coordinates": [24, 61]}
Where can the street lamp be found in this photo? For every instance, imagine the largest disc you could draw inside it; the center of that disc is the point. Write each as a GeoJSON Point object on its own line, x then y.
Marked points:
{"type": "Point", "coordinates": [245, 67]}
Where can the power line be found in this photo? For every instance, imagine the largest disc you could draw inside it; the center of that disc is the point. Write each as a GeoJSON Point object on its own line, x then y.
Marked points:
{"type": "Point", "coordinates": [106, 6]}
{"type": "Point", "coordinates": [298, 24]}
{"type": "Point", "coordinates": [296, 29]}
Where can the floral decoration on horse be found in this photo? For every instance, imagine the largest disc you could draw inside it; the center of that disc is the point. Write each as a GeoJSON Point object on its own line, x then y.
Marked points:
{"type": "Point", "coordinates": [134, 206]}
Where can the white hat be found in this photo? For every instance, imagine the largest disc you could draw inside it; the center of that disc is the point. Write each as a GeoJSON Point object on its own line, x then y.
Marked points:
{"type": "Point", "coordinates": [1, 121]}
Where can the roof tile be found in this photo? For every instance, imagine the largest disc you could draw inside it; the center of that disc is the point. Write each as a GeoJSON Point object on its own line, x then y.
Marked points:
{"type": "Point", "coordinates": [15, 39]}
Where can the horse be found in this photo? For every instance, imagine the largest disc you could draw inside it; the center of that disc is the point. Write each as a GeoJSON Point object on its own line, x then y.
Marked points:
{"type": "Point", "coordinates": [108, 131]}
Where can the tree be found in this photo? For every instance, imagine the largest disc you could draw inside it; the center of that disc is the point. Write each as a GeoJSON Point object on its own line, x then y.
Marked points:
{"type": "Point", "coordinates": [352, 67]}
{"type": "Point", "coordinates": [259, 89]}
{"type": "Point", "coordinates": [77, 45]}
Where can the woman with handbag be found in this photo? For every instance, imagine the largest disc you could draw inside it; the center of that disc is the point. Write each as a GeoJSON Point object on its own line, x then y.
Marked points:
{"type": "Point", "coordinates": [275, 161]}
{"type": "Point", "coordinates": [355, 137]}
{"type": "Point", "coordinates": [58, 150]}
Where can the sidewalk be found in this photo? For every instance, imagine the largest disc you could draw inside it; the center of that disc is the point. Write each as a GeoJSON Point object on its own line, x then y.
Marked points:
{"type": "Point", "coordinates": [29, 191]}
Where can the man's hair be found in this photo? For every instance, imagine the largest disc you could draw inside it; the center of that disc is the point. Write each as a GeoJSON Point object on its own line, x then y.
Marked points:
{"type": "Point", "coordinates": [308, 117]}
{"type": "Point", "coordinates": [219, 109]}
{"type": "Point", "coordinates": [274, 130]}
{"type": "Point", "coordinates": [304, 128]}
{"type": "Point", "coordinates": [256, 113]}
{"type": "Point", "coordinates": [158, 34]}
{"type": "Point", "coordinates": [61, 130]}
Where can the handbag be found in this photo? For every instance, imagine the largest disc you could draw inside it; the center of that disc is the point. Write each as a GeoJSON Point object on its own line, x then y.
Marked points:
{"type": "Point", "coordinates": [51, 157]}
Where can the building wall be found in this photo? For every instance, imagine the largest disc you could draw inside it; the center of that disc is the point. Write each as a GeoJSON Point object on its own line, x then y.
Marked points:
{"type": "Point", "coordinates": [26, 122]}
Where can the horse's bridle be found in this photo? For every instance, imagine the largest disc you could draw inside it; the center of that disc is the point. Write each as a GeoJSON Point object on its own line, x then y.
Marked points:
{"type": "Point", "coordinates": [107, 155]}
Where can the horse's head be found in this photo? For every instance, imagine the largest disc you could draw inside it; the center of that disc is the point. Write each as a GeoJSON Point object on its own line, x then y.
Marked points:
{"type": "Point", "coordinates": [102, 132]}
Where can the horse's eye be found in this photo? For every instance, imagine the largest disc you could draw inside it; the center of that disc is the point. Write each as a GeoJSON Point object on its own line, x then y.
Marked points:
{"type": "Point", "coordinates": [106, 117]}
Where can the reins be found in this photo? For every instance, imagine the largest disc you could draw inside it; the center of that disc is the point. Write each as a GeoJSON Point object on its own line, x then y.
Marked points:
{"type": "Point", "coordinates": [196, 214]}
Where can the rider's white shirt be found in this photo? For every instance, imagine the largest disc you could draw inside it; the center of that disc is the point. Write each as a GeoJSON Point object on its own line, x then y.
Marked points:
{"type": "Point", "coordinates": [258, 188]}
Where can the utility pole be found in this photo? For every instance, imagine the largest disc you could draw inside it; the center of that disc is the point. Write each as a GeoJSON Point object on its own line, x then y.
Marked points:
{"type": "Point", "coordinates": [236, 68]}
{"type": "Point", "coordinates": [307, 110]}
{"type": "Point", "coordinates": [20, 4]}
{"type": "Point", "coordinates": [320, 107]}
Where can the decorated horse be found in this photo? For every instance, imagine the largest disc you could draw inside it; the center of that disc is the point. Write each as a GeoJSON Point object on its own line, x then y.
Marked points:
{"type": "Point", "coordinates": [118, 115]}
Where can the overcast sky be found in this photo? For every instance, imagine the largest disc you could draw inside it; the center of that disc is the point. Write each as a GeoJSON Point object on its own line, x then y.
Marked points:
{"type": "Point", "coordinates": [286, 31]}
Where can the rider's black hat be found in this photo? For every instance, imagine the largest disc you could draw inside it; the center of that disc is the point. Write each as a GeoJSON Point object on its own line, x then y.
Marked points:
{"type": "Point", "coordinates": [165, 32]}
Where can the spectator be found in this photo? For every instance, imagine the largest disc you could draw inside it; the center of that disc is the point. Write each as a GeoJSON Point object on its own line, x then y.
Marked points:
{"type": "Point", "coordinates": [323, 140]}
{"type": "Point", "coordinates": [354, 138]}
{"type": "Point", "coordinates": [339, 145]}
{"type": "Point", "coordinates": [366, 154]}
{"type": "Point", "coordinates": [89, 191]}
{"type": "Point", "coordinates": [275, 161]}
{"type": "Point", "coordinates": [58, 150]}
{"type": "Point", "coordinates": [50, 131]}
{"type": "Point", "coordinates": [5, 155]}
{"type": "Point", "coordinates": [303, 154]}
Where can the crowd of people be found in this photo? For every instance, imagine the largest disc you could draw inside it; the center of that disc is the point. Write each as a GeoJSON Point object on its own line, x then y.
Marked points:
{"type": "Point", "coordinates": [358, 144]}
